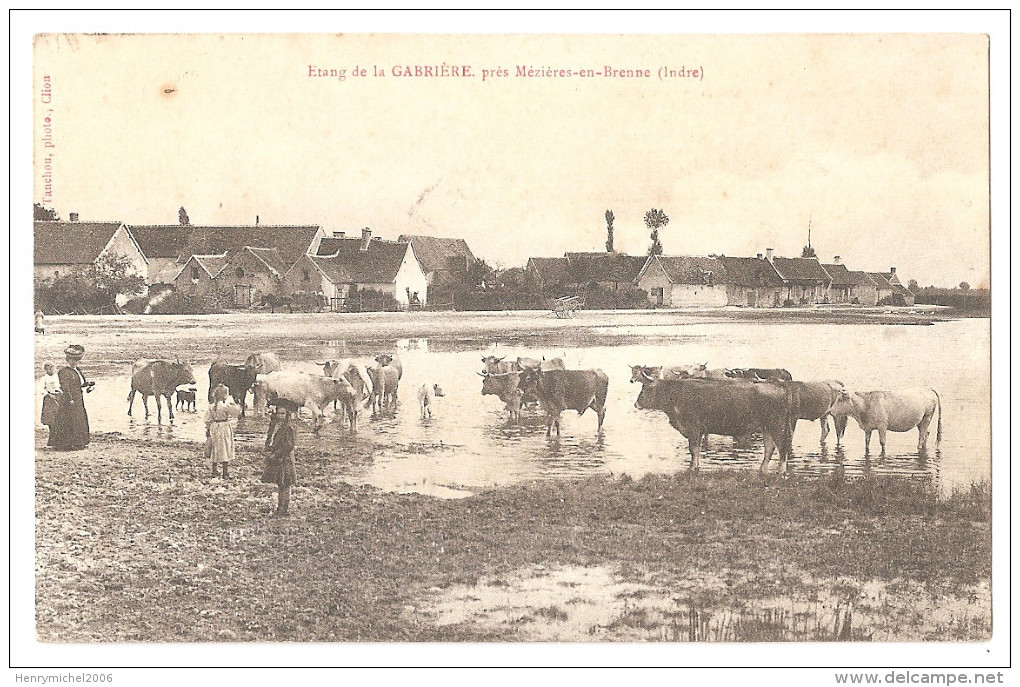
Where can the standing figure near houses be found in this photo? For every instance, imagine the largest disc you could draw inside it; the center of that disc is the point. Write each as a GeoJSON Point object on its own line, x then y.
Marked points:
{"type": "Point", "coordinates": [47, 389]}
{"type": "Point", "coordinates": [69, 430]}
{"type": "Point", "coordinates": [219, 430]}
{"type": "Point", "coordinates": [280, 442]}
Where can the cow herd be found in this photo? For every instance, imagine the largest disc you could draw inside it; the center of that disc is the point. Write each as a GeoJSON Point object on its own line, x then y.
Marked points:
{"type": "Point", "coordinates": [734, 402]}
{"type": "Point", "coordinates": [696, 399]}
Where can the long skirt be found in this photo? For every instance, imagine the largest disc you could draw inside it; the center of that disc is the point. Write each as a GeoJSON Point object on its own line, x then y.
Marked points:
{"type": "Point", "coordinates": [70, 430]}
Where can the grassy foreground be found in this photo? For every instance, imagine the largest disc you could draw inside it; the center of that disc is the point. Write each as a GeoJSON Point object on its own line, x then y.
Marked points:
{"type": "Point", "coordinates": [136, 543]}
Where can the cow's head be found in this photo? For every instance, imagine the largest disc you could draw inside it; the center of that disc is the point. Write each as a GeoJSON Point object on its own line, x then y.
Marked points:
{"type": "Point", "coordinates": [181, 374]}
{"type": "Point", "coordinates": [329, 367]}
{"type": "Point", "coordinates": [649, 396]}
{"type": "Point", "coordinates": [643, 374]}
{"type": "Point", "coordinates": [844, 403]}
{"type": "Point", "coordinates": [384, 359]}
{"type": "Point", "coordinates": [499, 383]}
{"type": "Point", "coordinates": [492, 364]}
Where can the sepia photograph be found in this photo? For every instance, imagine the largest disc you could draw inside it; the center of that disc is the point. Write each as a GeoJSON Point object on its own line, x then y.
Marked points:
{"type": "Point", "coordinates": [363, 340]}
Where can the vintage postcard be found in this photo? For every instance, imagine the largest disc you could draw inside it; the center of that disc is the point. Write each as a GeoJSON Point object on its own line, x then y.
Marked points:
{"type": "Point", "coordinates": [497, 338]}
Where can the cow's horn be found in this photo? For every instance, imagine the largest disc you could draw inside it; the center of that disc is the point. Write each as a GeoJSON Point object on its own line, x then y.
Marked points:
{"type": "Point", "coordinates": [483, 374]}
{"type": "Point", "coordinates": [647, 376]}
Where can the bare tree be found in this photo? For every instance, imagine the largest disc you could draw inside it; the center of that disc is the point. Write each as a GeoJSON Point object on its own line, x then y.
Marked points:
{"type": "Point", "coordinates": [654, 220]}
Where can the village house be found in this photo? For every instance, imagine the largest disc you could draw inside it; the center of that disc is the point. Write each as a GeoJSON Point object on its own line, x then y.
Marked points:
{"type": "Point", "coordinates": [865, 289]}
{"type": "Point", "coordinates": [683, 281]}
{"type": "Point", "coordinates": [342, 264]}
{"type": "Point", "coordinates": [197, 277]}
{"type": "Point", "coordinates": [445, 261]}
{"type": "Point", "coordinates": [547, 273]}
{"type": "Point", "coordinates": [610, 271]}
{"type": "Point", "coordinates": [171, 246]}
{"type": "Point", "coordinates": [841, 281]}
{"type": "Point", "coordinates": [804, 279]}
{"type": "Point", "coordinates": [889, 286]}
{"type": "Point", "coordinates": [65, 247]}
{"type": "Point", "coordinates": [752, 282]}
{"type": "Point", "coordinates": [250, 274]}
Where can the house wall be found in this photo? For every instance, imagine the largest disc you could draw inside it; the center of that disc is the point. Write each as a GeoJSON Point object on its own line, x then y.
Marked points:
{"type": "Point", "coordinates": [651, 281]}
{"type": "Point", "coordinates": [683, 295]}
{"type": "Point", "coordinates": [191, 284]}
{"type": "Point", "coordinates": [755, 297]}
{"type": "Point", "coordinates": [163, 270]}
{"type": "Point", "coordinates": [839, 294]}
{"type": "Point", "coordinates": [121, 244]}
{"type": "Point", "coordinates": [257, 277]}
{"type": "Point", "coordinates": [867, 295]}
{"type": "Point", "coordinates": [42, 272]}
{"type": "Point", "coordinates": [294, 280]}
{"type": "Point", "coordinates": [409, 276]}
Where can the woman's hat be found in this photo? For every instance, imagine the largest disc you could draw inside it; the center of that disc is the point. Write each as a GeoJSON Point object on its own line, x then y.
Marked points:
{"type": "Point", "coordinates": [74, 351]}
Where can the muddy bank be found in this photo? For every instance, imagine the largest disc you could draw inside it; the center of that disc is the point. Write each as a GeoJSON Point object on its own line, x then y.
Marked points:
{"type": "Point", "coordinates": [140, 544]}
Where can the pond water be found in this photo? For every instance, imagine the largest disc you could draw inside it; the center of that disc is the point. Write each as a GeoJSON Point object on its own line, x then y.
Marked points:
{"type": "Point", "coordinates": [470, 444]}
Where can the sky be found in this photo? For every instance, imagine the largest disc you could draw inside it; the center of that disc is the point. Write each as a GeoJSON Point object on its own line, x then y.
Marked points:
{"type": "Point", "coordinates": [877, 142]}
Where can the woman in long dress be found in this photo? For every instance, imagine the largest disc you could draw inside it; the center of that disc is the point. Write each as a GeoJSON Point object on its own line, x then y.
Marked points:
{"type": "Point", "coordinates": [219, 430]}
{"type": "Point", "coordinates": [70, 430]}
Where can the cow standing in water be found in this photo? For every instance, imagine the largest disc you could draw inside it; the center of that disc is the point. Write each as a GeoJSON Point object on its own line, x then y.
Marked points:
{"type": "Point", "coordinates": [734, 408]}
{"type": "Point", "coordinates": [348, 371]}
{"type": "Point", "coordinates": [261, 363]}
{"type": "Point", "coordinates": [159, 378]}
{"type": "Point", "coordinates": [814, 401]}
{"type": "Point", "coordinates": [560, 390]}
{"type": "Point", "coordinates": [892, 411]}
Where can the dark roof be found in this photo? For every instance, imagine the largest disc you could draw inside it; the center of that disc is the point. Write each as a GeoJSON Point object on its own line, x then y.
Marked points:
{"type": "Point", "coordinates": [292, 241]}
{"type": "Point", "coordinates": [212, 264]}
{"type": "Point", "coordinates": [71, 243]}
{"type": "Point", "coordinates": [750, 272]}
{"type": "Point", "coordinates": [840, 274]}
{"type": "Point", "coordinates": [881, 279]}
{"type": "Point", "coordinates": [862, 278]}
{"type": "Point", "coordinates": [800, 269]}
{"type": "Point", "coordinates": [551, 270]}
{"type": "Point", "coordinates": [161, 241]}
{"type": "Point", "coordinates": [271, 258]}
{"type": "Point", "coordinates": [685, 269]}
{"type": "Point", "coordinates": [343, 261]}
{"type": "Point", "coordinates": [434, 253]}
{"type": "Point", "coordinates": [604, 267]}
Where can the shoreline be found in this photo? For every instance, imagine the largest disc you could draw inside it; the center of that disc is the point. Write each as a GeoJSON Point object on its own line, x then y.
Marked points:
{"type": "Point", "coordinates": [144, 546]}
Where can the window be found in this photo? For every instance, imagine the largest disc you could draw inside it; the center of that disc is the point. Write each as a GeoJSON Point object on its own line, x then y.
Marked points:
{"type": "Point", "coordinates": [306, 275]}
{"type": "Point", "coordinates": [194, 273]}
{"type": "Point", "coordinates": [240, 272]}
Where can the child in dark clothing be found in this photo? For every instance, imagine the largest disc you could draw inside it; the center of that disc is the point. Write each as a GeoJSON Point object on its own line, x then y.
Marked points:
{"type": "Point", "coordinates": [280, 442]}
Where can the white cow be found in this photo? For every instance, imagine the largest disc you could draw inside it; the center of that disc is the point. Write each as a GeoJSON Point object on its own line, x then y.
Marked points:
{"type": "Point", "coordinates": [349, 371]}
{"type": "Point", "coordinates": [427, 398]}
{"type": "Point", "coordinates": [891, 411]}
{"type": "Point", "coordinates": [262, 363]}
{"type": "Point", "coordinates": [314, 392]}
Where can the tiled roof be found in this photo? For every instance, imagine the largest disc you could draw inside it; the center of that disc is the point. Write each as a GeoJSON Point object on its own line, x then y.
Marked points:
{"type": "Point", "coordinates": [551, 270]}
{"type": "Point", "coordinates": [344, 261]}
{"type": "Point", "coordinates": [292, 241]}
{"type": "Point", "coordinates": [862, 279]}
{"type": "Point", "coordinates": [800, 269]}
{"type": "Point", "coordinates": [840, 274]}
{"type": "Point", "coordinates": [749, 272]}
{"type": "Point", "coordinates": [881, 279]}
{"type": "Point", "coordinates": [604, 267]}
{"type": "Point", "coordinates": [212, 264]}
{"type": "Point", "coordinates": [685, 269]}
{"type": "Point", "coordinates": [71, 243]}
{"type": "Point", "coordinates": [271, 258]}
{"type": "Point", "coordinates": [439, 254]}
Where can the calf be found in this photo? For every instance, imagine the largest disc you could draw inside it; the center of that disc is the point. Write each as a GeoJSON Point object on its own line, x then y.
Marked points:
{"type": "Point", "coordinates": [560, 390]}
{"type": "Point", "coordinates": [892, 411]}
{"type": "Point", "coordinates": [186, 399]}
{"type": "Point", "coordinates": [427, 398]}
{"type": "Point", "coordinates": [385, 380]}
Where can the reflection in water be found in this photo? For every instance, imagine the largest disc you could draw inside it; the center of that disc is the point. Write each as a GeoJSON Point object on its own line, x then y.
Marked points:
{"type": "Point", "coordinates": [482, 448]}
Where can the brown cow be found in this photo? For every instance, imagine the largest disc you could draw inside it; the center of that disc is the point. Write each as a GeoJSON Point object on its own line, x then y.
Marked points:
{"type": "Point", "coordinates": [159, 378]}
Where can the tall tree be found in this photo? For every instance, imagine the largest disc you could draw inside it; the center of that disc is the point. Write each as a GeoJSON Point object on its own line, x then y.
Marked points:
{"type": "Point", "coordinates": [182, 215]}
{"type": "Point", "coordinates": [44, 214]}
{"type": "Point", "coordinates": [609, 230]}
{"type": "Point", "coordinates": [655, 220]}
{"type": "Point", "coordinates": [808, 252]}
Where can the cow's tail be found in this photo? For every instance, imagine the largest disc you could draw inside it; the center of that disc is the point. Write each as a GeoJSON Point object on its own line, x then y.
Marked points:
{"type": "Point", "coordinates": [938, 427]}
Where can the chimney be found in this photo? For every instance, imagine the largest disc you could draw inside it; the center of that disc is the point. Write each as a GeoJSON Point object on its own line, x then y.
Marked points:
{"type": "Point", "coordinates": [366, 238]}
{"type": "Point", "coordinates": [892, 270]}
{"type": "Point", "coordinates": [758, 256]}
{"type": "Point", "coordinates": [73, 216]}
{"type": "Point", "coordinates": [339, 234]}
{"type": "Point", "coordinates": [836, 260]}
{"type": "Point", "coordinates": [256, 220]}
{"type": "Point", "coordinates": [768, 255]}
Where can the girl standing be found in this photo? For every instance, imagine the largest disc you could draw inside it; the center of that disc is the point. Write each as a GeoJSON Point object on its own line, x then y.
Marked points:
{"type": "Point", "coordinates": [280, 442]}
{"type": "Point", "coordinates": [220, 430]}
